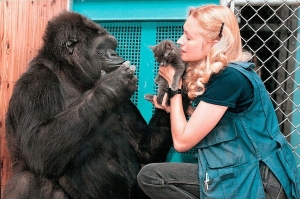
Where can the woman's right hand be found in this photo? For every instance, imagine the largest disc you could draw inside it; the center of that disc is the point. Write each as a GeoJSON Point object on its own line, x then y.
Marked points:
{"type": "Point", "coordinates": [163, 105]}
{"type": "Point", "coordinates": [167, 72]}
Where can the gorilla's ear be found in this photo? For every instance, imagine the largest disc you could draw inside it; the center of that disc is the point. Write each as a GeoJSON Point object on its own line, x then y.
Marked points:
{"type": "Point", "coordinates": [69, 45]}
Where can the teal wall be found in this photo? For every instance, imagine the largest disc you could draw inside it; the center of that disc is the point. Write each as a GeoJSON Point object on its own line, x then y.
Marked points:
{"type": "Point", "coordinates": [136, 9]}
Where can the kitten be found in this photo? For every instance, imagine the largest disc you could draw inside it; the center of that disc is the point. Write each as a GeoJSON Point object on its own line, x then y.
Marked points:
{"type": "Point", "coordinates": [165, 53]}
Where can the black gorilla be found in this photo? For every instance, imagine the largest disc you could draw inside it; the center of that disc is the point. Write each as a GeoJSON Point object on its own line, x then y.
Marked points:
{"type": "Point", "coordinates": [72, 132]}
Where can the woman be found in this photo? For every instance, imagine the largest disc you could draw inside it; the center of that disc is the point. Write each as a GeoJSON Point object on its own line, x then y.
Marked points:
{"type": "Point", "coordinates": [241, 152]}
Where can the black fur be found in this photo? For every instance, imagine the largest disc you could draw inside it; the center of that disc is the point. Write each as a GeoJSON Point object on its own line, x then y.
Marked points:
{"type": "Point", "coordinates": [72, 132]}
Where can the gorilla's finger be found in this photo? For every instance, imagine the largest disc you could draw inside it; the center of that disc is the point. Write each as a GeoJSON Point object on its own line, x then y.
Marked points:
{"type": "Point", "coordinates": [103, 72]}
{"type": "Point", "coordinates": [133, 82]}
{"type": "Point", "coordinates": [128, 66]}
{"type": "Point", "coordinates": [123, 69]}
{"type": "Point", "coordinates": [132, 68]}
{"type": "Point", "coordinates": [135, 79]}
{"type": "Point", "coordinates": [126, 63]}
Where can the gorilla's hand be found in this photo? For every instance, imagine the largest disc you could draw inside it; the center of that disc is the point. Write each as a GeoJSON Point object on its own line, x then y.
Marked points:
{"type": "Point", "coordinates": [120, 83]}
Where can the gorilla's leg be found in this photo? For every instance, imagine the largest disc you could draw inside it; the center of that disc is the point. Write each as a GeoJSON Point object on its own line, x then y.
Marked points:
{"type": "Point", "coordinates": [27, 185]}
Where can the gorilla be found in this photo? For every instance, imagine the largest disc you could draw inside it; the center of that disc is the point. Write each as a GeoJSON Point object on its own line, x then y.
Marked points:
{"type": "Point", "coordinates": [71, 129]}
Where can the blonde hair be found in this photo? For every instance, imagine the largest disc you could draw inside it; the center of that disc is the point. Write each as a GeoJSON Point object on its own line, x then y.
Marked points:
{"type": "Point", "coordinates": [227, 49]}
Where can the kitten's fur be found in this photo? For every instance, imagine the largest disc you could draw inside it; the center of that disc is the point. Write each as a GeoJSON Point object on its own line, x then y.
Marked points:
{"type": "Point", "coordinates": [165, 53]}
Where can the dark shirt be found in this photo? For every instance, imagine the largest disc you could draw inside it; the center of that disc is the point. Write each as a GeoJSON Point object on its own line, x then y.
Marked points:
{"type": "Point", "coordinates": [228, 88]}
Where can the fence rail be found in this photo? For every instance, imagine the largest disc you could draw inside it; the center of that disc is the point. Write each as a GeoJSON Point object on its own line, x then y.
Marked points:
{"type": "Point", "coordinates": [259, 2]}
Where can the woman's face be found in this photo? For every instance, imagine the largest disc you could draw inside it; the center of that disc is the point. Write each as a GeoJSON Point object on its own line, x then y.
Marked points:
{"type": "Point", "coordinates": [193, 45]}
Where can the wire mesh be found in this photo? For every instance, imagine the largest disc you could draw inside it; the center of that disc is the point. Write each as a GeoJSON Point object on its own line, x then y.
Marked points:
{"type": "Point", "coordinates": [270, 31]}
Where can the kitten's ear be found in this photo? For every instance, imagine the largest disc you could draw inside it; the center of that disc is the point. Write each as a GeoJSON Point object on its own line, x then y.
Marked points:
{"type": "Point", "coordinates": [152, 47]}
{"type": "Point", "coordinates": [168, 48]}
{"type": "Point", "coordinates": [168, 45]}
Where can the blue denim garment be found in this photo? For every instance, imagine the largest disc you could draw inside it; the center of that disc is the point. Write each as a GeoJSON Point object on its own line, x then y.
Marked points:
{"type": "Point", "coordinates": [230, 155]}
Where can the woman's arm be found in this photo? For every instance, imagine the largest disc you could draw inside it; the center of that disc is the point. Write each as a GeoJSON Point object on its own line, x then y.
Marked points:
{"type": "Point", "coordinates": [186, 134]}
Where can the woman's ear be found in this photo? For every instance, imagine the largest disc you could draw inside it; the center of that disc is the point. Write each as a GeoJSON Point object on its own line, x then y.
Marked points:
{"type": "Point", "coordinates": [214, 42]}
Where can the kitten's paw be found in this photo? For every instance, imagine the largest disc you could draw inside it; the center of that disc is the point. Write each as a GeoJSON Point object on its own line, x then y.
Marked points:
{"type": "Point", "coordinates": [149, 97]}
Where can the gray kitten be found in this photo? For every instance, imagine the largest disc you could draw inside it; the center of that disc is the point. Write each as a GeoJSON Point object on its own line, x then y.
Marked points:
{"type": "Point", "coordinates": [165, 53]}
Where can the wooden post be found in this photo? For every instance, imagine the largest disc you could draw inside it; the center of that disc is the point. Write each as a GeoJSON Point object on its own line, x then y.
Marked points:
{"type": "Point", "coordinates": [22, 25]}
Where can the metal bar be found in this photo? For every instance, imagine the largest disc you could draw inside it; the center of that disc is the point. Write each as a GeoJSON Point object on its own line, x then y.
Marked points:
{"type": "Point", "coordinates": [260, 2]}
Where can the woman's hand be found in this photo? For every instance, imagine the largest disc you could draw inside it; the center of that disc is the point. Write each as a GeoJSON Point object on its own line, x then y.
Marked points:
{"type": "Point", "coordinates": [167, 72]}
{"type": "Point", "coordinates": [190, 110]}
{"type": "Point", "coordinates": [163, 105]}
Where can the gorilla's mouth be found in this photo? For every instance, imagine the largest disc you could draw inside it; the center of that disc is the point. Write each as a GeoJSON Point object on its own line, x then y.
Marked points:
{"type": "Point", "coordinates": [110, 67]}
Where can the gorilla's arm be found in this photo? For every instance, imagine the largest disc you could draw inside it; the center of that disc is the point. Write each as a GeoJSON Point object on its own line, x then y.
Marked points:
{"type": "Point", "coordinates": [152, 141]}
{"type": "Point", "coordinates": [46, 129]}
{"type": "Point", "coordinates": [155, 146]}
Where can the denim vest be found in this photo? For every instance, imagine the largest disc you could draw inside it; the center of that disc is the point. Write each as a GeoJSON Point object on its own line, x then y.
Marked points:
{"type": "Point", "coordinates": [229, 156]}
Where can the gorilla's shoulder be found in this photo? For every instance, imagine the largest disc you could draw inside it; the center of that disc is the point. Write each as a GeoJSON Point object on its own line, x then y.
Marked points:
{"type": "Point", "coordinates": [38, 76]}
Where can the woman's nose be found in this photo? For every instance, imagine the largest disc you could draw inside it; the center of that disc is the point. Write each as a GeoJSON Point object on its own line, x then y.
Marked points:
{"type": "Point", "coordinates": [180, 40]}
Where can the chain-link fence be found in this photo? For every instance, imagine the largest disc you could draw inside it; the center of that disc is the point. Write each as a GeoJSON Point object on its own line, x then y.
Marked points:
{"type": "Point", "coordinates": [270, 31]}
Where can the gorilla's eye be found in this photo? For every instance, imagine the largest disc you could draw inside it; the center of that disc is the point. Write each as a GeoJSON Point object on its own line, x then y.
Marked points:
{"type": "Point", "coordinates": [101, 52]}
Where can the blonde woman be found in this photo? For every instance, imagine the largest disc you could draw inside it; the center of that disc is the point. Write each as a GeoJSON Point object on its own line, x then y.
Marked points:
{"type": "Point", "coordinates": [241, 152]}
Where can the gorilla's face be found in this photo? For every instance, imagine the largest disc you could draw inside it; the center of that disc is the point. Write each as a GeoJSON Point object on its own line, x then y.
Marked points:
{"type": "Point", "coordinates": [104, 55]}
{"type": "Point", "coordinates": [85, 48]}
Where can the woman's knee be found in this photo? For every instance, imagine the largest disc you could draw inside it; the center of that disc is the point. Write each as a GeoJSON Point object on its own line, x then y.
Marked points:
{"type": "Point", "coordinates": [147, 175]}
